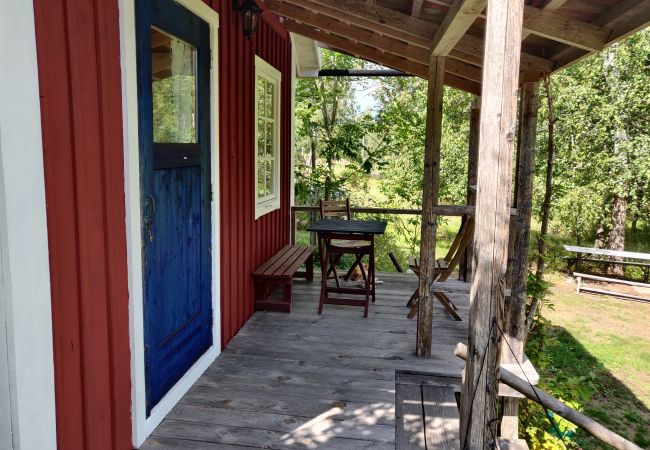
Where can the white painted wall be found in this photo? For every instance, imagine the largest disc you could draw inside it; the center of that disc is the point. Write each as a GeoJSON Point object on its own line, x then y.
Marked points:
{"type": "Point", "coordinates": [25, 286]}
{"type": "Point", "coordinates": [143, 426]}
{"type": "Point", "coordinates": [5, 403]}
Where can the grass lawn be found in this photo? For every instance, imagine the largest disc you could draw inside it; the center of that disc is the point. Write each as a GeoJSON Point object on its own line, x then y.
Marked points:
{"type": "Point", "coordinates": [611, 339]}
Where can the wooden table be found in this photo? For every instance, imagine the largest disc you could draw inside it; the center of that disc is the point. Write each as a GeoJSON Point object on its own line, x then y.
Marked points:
{"type": "Point", "coordinates": [642, 259]}
{"type": "Point", "coordinates": [347, 230]}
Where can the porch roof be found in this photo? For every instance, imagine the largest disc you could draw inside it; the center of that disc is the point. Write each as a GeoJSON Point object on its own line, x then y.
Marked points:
{"type": "Point", "coordinates": [403, 34]}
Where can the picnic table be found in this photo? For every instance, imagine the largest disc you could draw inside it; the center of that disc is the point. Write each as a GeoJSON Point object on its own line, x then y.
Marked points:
{"type": "Point", "coordinates": [603, 255]}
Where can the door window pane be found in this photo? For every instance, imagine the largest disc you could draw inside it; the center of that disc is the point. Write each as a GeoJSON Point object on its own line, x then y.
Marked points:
{"type": "Point", "coordinates": [173, 67]}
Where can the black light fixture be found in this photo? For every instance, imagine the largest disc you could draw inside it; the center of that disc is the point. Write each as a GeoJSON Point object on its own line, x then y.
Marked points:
{"type": "Point", "coordinates": [250, 15]}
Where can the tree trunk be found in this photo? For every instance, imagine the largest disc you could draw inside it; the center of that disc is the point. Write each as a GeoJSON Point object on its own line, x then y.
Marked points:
{"type": "Point", "coordinates": [515, 310]}
{"type": "Point", "coordinates": [312, 236]}
{"type": "Point", "coordinates": [617, 234]}
{"type": "Point", "coordinates": [548, 194]}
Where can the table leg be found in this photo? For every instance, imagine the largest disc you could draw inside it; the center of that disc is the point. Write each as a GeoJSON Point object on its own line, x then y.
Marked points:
{"type": "Point", "coordinates": [371, 266]}
{"type": "Point", "coordinates": [368, 287]}
{"type": "Point", "coordinates": [310, 269]}
{"type": "Point", "coordinates": [324, 245]}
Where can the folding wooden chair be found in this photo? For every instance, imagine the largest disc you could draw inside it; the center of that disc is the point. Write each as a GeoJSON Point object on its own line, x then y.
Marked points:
{"type": "Point", "coordinates": [444, 268]}
{"type": "Point", "coordinates": [340, 209]}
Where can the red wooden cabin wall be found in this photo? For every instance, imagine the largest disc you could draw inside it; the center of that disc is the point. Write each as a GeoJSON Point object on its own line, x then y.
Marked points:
{"type": "Point", "coordinates": [79, 74]}
{"type": "Point", "coordinates": [78, 44]}
{"type": "Point", "coordinates": [246, 242]}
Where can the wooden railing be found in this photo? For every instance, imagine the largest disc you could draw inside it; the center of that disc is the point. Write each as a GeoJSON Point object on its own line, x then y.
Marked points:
{"type": "Point", "coordinates": [553, 404]}
{"type": "Point", "coordinates": [440, 210]}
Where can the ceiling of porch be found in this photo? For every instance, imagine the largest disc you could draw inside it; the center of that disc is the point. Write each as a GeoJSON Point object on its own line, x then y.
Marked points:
{"type": "Point", "coordinates": [403, 34]}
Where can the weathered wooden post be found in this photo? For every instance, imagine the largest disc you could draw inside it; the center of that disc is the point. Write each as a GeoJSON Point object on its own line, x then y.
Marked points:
{"type": "Point", "coordinates": [465, 270]}
{"type": "Point", "coordinates": [497, 135]}
{"type": "Point", "coordinates": [515, 310]}
{"type": "Point", "coordinates": [433, 135]}
{"type": "Point", "coordinates": [459, 18]}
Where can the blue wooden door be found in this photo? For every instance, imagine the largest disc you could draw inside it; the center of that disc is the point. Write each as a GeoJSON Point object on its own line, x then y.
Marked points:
{"type": "Point", "coordinates": [173, 50]}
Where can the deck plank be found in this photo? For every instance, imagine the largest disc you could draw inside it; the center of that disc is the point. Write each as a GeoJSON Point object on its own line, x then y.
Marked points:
{"type": "Point", "coordinates": [304, 380]}
{"type": "Point", "coordinates": [409, 426]}
{"type": "Point", "coordinates": [442, 418]}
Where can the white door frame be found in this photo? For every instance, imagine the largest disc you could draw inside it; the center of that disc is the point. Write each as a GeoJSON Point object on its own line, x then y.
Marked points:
{"type": "Point", "coordinates": [25, 298]}
{"type": "Point", "coordinates": [143, 425]}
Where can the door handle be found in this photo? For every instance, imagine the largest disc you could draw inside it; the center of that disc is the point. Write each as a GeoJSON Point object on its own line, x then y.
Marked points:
{"type": "Point", "coordinates": [149, 214]}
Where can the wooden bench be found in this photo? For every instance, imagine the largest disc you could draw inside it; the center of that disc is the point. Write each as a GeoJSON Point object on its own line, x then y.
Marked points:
{"type": "Point", "coordinates": [280, 269]}
{"type": "Point", "coordinates": [583, 276]}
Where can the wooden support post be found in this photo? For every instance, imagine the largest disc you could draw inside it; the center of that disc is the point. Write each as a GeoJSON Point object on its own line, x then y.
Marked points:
{"type": "Point", "coordinates": [433, 135]}
{"type": "Point", "coordinates": [515, 310]}
{"type": "Point", "coordinates": [498, 125]}
{"type": "Point", "coordinates": [465, 270]}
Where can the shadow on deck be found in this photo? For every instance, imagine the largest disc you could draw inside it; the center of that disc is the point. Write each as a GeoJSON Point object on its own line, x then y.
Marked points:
{"type": "Point", "coordinates": [301, 380]}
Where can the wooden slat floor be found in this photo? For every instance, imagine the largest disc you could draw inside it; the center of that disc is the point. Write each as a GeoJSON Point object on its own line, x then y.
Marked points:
{"type": "Point", "coordinates": [304, 381]}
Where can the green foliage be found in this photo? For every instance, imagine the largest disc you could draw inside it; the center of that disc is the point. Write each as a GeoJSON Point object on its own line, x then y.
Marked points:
{"type": "Point", "coordinates": [336, 143]}
{"type": "Point", "coordinates": [402, 116]}
{"type": "Point", "coordinates": [602, 138]}
{"type": "Point", "coordinates": [542, 428]}
{"type": "Point", "coordinates": [575, 214]}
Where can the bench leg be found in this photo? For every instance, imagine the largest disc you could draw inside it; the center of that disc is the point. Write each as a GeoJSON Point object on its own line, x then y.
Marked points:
{"type": "Point", "coordinates": [286, 295]}
{"type": "Point", "coordinates": [262, 292]}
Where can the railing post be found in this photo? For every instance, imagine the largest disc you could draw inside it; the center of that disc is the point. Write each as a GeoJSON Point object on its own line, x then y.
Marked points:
{"type": "Point", "coordinates": [293, 226]}
{"type": "Point", "coordinates": [432, 142]}
{"type": "Point", "coordinates": [478, 413]}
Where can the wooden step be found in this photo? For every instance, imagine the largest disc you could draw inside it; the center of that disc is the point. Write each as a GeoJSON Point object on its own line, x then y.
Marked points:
{"type": "Point", "coordinates": [427, 416]}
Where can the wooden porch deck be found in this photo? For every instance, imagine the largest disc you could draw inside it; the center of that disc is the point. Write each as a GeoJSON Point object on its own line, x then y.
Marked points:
{"type": "Point", "coordinates": [303, 381]}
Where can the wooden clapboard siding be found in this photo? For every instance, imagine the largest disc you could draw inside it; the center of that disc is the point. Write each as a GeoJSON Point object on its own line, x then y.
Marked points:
{"type": "Point", "coordinates": [79, 72]}
{"type": "Point", "coordinates": [80, 86]}
{"type": "Point", "coordinates": [245, 242]}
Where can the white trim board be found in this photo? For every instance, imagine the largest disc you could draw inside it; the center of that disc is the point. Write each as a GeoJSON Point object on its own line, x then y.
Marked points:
{"type": "Point", "coordinates": [143, 425]}
{"type": "Point", "coordinates": [25, 296]}
{"type": "Point", "coordinates": [292, 118]}
{"type": "Point", "coordinates": [272, 75]}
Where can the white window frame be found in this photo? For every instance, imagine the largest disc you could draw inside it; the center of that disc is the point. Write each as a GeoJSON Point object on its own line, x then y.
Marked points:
{"type": "Point", "coordinates": [269, 203]}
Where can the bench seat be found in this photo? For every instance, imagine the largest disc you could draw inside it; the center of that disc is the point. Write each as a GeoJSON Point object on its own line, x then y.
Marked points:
{"type": "Point", "coordinates": [281, 269]}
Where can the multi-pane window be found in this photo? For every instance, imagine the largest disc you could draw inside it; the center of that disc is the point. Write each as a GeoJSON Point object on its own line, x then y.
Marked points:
{"type": "Point", "coordinates": [267, 137]}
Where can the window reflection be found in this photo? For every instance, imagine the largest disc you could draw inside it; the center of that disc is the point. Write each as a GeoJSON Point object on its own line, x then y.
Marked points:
{"type": "Point", "coordinates": [173, 63]}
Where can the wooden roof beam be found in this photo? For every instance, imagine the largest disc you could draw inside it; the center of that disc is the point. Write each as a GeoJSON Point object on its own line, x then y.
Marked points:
{"type": "Point", "coordinates": [377, 56]}
{"type": "Point", "coordinates": [624, 19]}
{"type": "Point", "coordinates": [558, 27]}
{"type": "Point", "coordinates": [360, 35]}
{"type": "Point", "coordinates": [551, 5]}
{"type": "Point", "coordinates": [457, 21]}
{"type": "Point", "coordinates": [555, 26]}
{"type": "Point", "coordinates": [409, 29]}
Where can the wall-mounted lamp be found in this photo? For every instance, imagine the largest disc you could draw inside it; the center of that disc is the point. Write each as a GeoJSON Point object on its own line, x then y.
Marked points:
{"type": "Point", "coordinates": [250, 15]}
